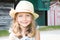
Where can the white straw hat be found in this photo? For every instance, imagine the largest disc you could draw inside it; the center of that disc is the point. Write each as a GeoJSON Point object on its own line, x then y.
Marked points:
{"type": "Point", "coordinates": [24, 6]}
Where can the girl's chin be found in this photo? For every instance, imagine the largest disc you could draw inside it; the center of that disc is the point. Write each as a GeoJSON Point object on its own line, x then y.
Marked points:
{"type": "Point", "coordinates": [24, 26]}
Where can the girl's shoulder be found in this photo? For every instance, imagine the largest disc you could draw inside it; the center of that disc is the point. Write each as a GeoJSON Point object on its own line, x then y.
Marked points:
{"type": "Point", "coordinates": [37, 27]}
{"type": "Point", "coordinates": [37, 36]}
{"type": "Point", "coordinates": [13, 37]}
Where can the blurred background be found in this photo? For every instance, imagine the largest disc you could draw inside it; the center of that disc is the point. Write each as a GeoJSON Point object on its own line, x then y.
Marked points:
{"type": "Point", "coordinates": [48, 11]}
{"type": "Point", "coordinates": [5, 6]}
{"type": "Point", "coordinates": [49, 16]}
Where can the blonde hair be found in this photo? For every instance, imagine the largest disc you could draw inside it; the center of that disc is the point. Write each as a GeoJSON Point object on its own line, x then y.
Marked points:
{"type": "Point", "coordinates": [30, 32]}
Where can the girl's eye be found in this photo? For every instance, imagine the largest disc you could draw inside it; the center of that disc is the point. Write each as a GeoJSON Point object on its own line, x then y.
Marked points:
{"type": "Point", "coordinates": [20, 15]}
{"type": "Point", "coordinates": [28, 15]}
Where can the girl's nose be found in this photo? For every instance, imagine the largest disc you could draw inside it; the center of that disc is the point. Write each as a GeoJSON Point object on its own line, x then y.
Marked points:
{"type": "Point", "coordinates": [24, 18]}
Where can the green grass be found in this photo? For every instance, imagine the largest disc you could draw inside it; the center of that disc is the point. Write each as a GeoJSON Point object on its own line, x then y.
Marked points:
{"type": "Point", "coordinates": [4, 33]}
{"type": "Point", "coordinates": [49, 28]}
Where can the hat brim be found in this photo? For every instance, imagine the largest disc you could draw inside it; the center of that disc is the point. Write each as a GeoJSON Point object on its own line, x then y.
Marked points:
{"type": "Point", "coordinates": [13, 12]}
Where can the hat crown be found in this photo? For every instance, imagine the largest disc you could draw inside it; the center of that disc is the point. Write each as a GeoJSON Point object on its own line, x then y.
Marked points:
{"type": "Point", "coordinates": [25, 6]}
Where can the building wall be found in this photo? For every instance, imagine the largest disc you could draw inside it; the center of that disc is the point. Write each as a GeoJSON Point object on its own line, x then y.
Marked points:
{"type": "Point", "coordinates": [54, 14]}
{"type": "Point", "coordinates": [4, 14]}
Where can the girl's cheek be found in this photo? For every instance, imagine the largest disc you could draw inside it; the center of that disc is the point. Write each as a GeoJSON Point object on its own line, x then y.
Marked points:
{"type": "Point", "coordinates": [18, 19]}
{"type": "Point", "coordinates": [29, 18]}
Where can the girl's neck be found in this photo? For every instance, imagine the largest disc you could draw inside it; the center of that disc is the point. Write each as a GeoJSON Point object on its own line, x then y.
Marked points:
{"type": "Point", "coordinates": [23, 29]}
{"type": "Point", "coordinates": [23, 32]}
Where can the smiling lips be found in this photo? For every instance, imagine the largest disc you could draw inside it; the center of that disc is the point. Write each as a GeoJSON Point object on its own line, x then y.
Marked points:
{"type": "Point", "coordinates": [24, 22]}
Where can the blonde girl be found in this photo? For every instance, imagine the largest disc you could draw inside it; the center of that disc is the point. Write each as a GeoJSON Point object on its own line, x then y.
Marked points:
{"type": "Point", "coordinates": [23, 22]}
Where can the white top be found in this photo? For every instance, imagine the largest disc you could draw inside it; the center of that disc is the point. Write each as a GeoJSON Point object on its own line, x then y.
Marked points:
{"type": "Point", "coordinates": [13, 37]}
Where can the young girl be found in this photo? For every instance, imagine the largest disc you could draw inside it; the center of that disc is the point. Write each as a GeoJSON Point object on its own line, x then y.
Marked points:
{"type": "Point", "coordinates": [23, 25]}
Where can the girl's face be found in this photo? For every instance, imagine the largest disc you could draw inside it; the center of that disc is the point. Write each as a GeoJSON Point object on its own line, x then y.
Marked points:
{"type": "Point", "coordinates": [24, 19]}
